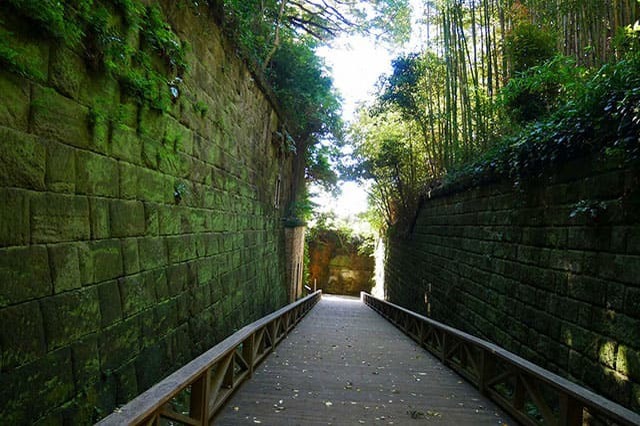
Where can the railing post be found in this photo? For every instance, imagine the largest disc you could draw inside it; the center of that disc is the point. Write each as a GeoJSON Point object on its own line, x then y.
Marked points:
{"type": "Point", "coordinates": [518, 393]}
{"type": "Point", "coordinates": [443, 355]}
{"type": "Point", "coordinates": [199, 406]}
{"type": "Point", "coordinates": [571, 411]}
{"type": "Point", "coordinates": [486, 370]}
{"type": "Point", "coordinates": [249, 352]}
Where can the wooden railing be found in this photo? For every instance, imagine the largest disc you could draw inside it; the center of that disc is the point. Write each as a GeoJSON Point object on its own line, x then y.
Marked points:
{"type": "Point", "coordinates": [196, 392]}
{"type": "Point", "coordinates": [529, 393]}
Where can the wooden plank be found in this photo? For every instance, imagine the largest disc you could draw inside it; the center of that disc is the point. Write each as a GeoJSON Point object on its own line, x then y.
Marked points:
{"type": "Point", "coordinates": [344, 364]}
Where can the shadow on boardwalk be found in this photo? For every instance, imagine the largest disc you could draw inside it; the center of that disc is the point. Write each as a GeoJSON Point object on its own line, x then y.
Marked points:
{"type": "Point", "coordinates": [346, 365]}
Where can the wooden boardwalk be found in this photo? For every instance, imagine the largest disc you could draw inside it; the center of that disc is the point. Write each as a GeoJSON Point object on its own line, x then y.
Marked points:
{"type": "Point", "coordinates": [346, 365]}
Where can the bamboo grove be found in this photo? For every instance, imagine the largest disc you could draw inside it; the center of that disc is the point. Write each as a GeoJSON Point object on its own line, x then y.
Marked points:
{"type": "Point", "coordinates": [477, 80]}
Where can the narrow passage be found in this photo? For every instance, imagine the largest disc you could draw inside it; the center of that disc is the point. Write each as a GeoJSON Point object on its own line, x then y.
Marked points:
{"type": "Point", "coordinates": [346, 365]}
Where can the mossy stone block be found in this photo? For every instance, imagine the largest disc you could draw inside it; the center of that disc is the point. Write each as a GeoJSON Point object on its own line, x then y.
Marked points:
{"type": "Point", "coordinates": [14, 217]}
{"type": "Point", "coordinates": [130, 256]}
{"type": "Point", "coordinates": [54, 116]}
{"type": "Point", "coordinates": [127, 218]}
{"type": "Point", "coordinates": [110, 303]}
{"type": "Point", "coordinates": [22, 160]}
{"type": "Point", "coordinates": [119, 344]}
{"type": "Point", "coordinates": [24, 274]}
{"type": "Point", "coordinates": [100, 223]}
{"type": "Point", "coordinates": [107, 260]}
{"type": "Point", "coordinates": [67, 71]}
{"type": "Point", "coordinates": [71, 315]}
{"type": "Point", "coordinates": [151, 123]}
{"type": "Point", "coordinates": [181, 248]}
{"type": "Point", "coordinates": [45, 383]}
{"type": "Point", "coordinates": [97, 174]}
{"type": "Point", "coordinates": [180, 136]}
{"type": "Point", "coordinates": [152, 226]}
{"type": "Point", "coordinates": [126, 383]}
{"type": "Point", "coordinates": [86, 363]}
{"type": "Point", "coordinates": [59, 218]}
{"type": "Point", "coordinates": [128, 180]}
{"type": "Point", "coordinates": [126, 145]}
{"type": "Point", "coordinates": [169, 220]}
{"type": "Point", "coordinates": [65, 267]}
{"type": "Point", "coordinates": [135, 294]}
{"type": "Point", "coordinates": [61, 168]}
{"type": "Point", "coordinates": [152, 253]}
{"type": "Point", "coordinates": [21, 334]}
{"type": "Point", "coordinates": [14, 108]}
{"type": "Point", "coordinates": [154, 186]}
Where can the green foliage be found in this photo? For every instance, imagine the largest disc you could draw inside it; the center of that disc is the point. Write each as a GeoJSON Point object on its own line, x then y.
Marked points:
{"type": "Point", "coordinates": [543, 88]}
{"type": "Point", "coordinates": [327, 226]}
{"type": "Point", "coordinates": [528, 45]}
{"type": "Point", "coordinates": [604, 116]}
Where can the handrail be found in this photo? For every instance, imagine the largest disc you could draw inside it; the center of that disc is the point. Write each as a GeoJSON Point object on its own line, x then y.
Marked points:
{"type": "Point", "coordinates": [195, 393]}
{"type": "Point", "coordinates": [529, 393]}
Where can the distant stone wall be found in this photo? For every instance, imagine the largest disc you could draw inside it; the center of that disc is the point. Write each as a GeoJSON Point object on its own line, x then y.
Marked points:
{"type": "Point", "coordinates": [128, 248]}
{"type": "Point", "coordinates": [549, 270]}
{"type": "Point", "coordinates": [337, 268]}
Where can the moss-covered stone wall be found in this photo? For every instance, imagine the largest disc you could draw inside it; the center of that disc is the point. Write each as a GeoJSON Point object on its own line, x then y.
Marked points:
{"type": "Point", "coordinates": [549, 270]}
{"type": "Point", "coordinates": [131, 238]}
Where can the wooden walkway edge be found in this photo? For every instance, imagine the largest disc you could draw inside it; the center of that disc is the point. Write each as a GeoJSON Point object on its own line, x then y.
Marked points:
{"type": "Point", "coordinates": [346, 365]}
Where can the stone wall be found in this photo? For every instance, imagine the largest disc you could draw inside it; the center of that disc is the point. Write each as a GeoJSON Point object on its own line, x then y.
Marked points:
{"type": "Point", "coordinates": [549, 270]}
{"type": "Point", "coordinates": [336, 267]}
{"type": "Point", "coordinates": [128, 248]}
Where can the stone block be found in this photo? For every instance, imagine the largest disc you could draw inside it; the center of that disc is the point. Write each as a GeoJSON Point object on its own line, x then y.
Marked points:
{"type": "Point", "coordinates": [24, 274]}
{"type": "Point", "coordinates": [135, 294]}
{"type": "Point", "coordinates": [100, 261]}
{"type": "Point", "coordinates": [127, 218]}
{"type": "Point", "coordinates": [119, 344]}
{"type": "Point", "coordinates": [54, 116]}
{"type": "Point", "coordinates": [99, 218]}
{"type": "Point", "coordinates": [71, 315]}
{"type": "Point", "coordinates": [151, 218]}
{"type": "Point", "coordinates": [126, 383]}
{"type": "Point", "coordinates": [58, 218]}
{"type": "Point", "coordinates": [45, 383]}
{"type": "Point", "coordinates": [628, 362]}
{"type": "Point", "coordinates": [152, 252]}
{"type": "Point", "coordinates": [14, 218]}
{"type": "Point", "coordinates": [154, 186]}
{"type": "Point", "coordinates": [177, 278]}
{"type": "Point", "coordinates": [126, 145]}
{"type": "Point", "coordinates": [128, 180]}
{"type": "Point", "coordinates": [96, 174]}
{"type": "Point", "coordinates": [65, 267]}
{"type": "Point", "coordinates": [587, 289]}
{"type": "Point", "coordinates": [110, 303]}
{"type": "Point", "coordinates": [130, 257]}
{"type": "Point", "coordinates": [22, 160]}
{"type": "Point", "coordinates": [21, 334]}
{"type": "Point", "coordinates": [67, 70]}
{"type": "Point", "coordinates": [86, 363]}
{"type": "Point", "coordinates": [170, 220]}
{"type": "Point", "coordinates": [181, 248]}
{"type": "Point", "coordinates": [151, 123]}
{"type": "Point", "coordinates": [632, 303]}
{"type": "Point", "coordinates": [14, 108]}
{"type": "Point", "coordinates": [61, 168]}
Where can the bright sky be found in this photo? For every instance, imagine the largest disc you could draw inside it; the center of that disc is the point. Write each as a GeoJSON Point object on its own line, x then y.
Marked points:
{"type": "Point", "coordinates": [356, 63]}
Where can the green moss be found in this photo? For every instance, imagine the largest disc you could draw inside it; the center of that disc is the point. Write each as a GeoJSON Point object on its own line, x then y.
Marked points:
{"type": "Point", "coordinates": [108, 45]}
{"type": "Point", "coordinates": [201, 108]}
{"type": "Point", "coordinates": [16, 60]}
